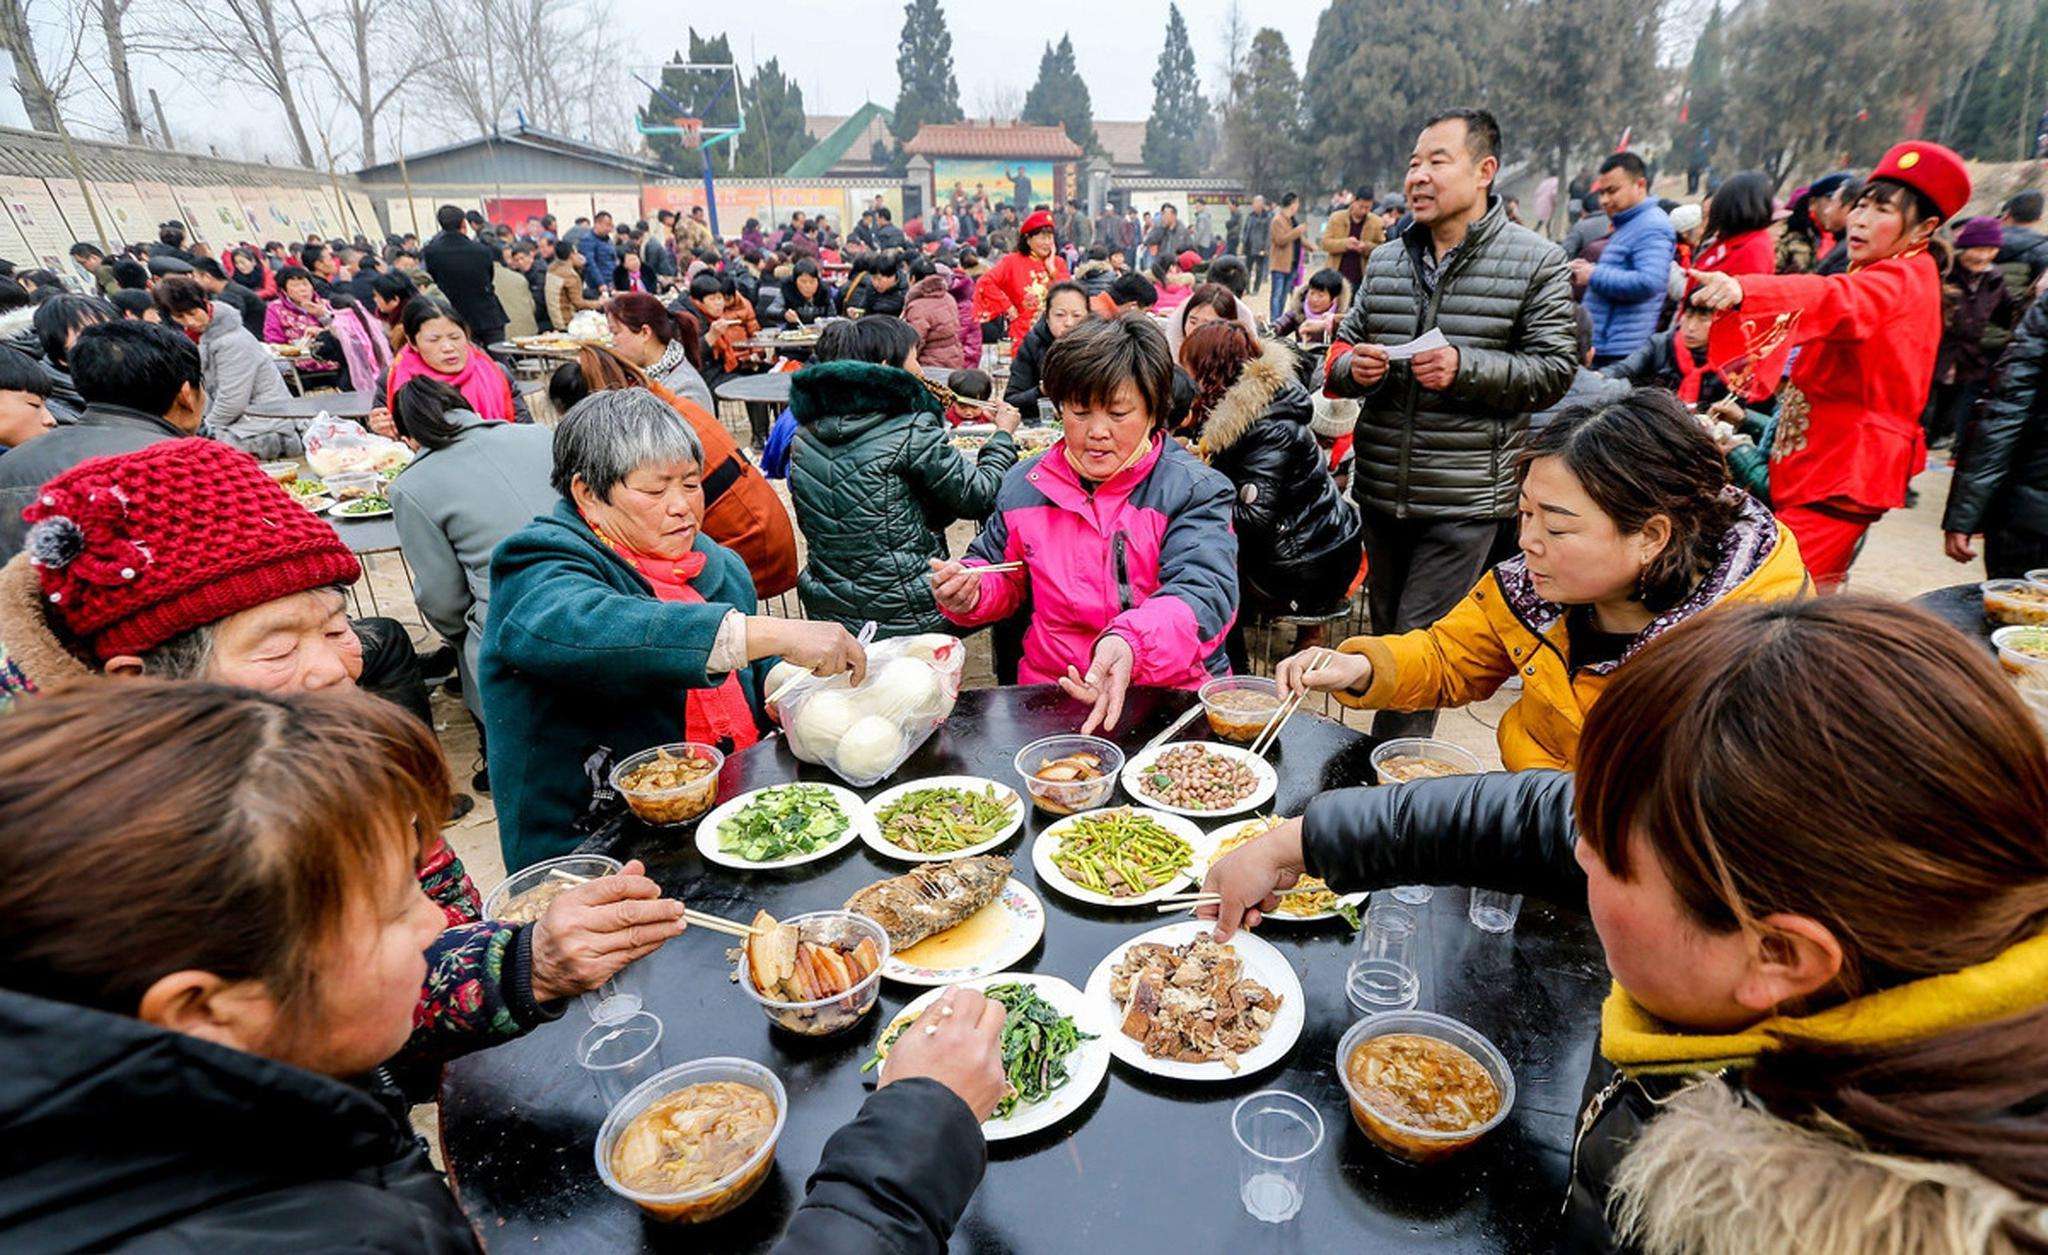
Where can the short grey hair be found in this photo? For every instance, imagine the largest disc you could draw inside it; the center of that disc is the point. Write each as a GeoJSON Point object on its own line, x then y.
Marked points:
{"type": "Point", "coordinates": [608, 435]}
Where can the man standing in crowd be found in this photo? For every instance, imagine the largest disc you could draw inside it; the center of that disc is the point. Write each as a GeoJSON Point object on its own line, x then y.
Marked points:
{"type": "Point", "coordinates": [1352, 233]}
{"type": "Point", "coordinates": [1109, 228]}
{"type": "Point", "coordinates": [1438, 435]}
{"type": "Point", "coordinates": [1168, 237]}
{"type": "Point", "coordinates": [462, 269]}
{"type": "Point", "coordinates": [1257, 224]}
{"type": "Point", "coordinates": [1283, 253]}
{"type": "Point", "coordinates": [515, 291]}
{"type": "Point", "coordinates": [1625, 290]}
{"type": "Point", "coordinates": [1831, 213]}
{"type": "Point", "coordinates": [695, 231]}
{"type": "Point", "coordinates": [2024, 255]}
{"type": "Point", "coordinates": [600, 255]}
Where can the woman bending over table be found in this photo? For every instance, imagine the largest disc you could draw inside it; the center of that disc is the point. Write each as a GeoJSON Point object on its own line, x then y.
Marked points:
{"type": "Point", "coordinates": [616, 624]}
{"type": "Point", "coordinates": [1629, 528]}
{"type": "Point", "coordinates": [220, 982]}
{"type": "Point", "coordinates": [1124, 536]}
{"type": "Point", "coordinates": [1809, 837]}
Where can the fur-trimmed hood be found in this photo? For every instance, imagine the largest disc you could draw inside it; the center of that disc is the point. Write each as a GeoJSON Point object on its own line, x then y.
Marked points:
{"type": "Point", "coordinates": [1716, 1174]}
{"type": "Point", "coordinates": [847, 397]}
{"type": "Point", "coordinates": [33, 659]}
{"type": "Point", "coordinates": [1266, 388]}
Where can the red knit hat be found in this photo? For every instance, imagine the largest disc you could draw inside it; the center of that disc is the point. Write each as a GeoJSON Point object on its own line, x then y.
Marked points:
{"type": "Point", "coordinates": [1040, 221]}
{"type": "Point", "coordinates": [134, 549]}
{"type": "Point", "coordinates": [1930, 169]}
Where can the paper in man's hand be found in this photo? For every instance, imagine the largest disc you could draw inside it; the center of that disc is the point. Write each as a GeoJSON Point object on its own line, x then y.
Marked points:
{"type": "Point", "coordinates": [1431, 339]}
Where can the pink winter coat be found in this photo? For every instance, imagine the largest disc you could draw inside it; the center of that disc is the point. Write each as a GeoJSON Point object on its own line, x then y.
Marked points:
{"type": "Point", "coordinates": [930, 311]}
{"type": "Point", "coordinates": [1150, 556]}
{"type": "Point", "coordinates": [961, 287]}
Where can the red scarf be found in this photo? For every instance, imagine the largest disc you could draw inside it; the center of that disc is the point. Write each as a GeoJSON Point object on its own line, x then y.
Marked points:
{"type": "Point", "coordinates": [718, 715]}
{"type": "Point", "coordinates": [479, 381]}
{"type": "Point", "coordinates": [1690, 372]}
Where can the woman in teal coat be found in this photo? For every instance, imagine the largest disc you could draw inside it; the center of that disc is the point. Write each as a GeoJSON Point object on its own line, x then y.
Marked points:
{"type": "Point", "coordinates": [616, 625]}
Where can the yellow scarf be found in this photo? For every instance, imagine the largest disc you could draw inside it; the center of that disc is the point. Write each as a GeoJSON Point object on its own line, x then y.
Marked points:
{"type": "Point", "coordinates": [2017, 980]}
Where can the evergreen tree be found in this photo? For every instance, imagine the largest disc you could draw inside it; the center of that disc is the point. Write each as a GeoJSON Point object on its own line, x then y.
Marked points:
{"type": "Point", "coordinates": [1060, 98]}
{"type": "Point", "coordinates": [1571, 94]}
{"type": "Point", "coordinates": [1173, 134]}
{"type": "Point", "coordinates": [706, 94]}
{"type": "Point", "coordinates": [927, 91]}
{"type": "Point", "coordinates": [775, 122]}
{"type": "Point", "coordinates": [1706, 92]}
{"type": "Point", "coordinates": [1378, 68]}
{"type": "Point", "coordinates": [1262, 129]}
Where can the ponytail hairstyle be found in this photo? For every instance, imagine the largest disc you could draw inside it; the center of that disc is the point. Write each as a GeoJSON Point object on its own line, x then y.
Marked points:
{"type": "Point", "coordinates": [421, 409]}
{"type": "Point", "coordinates": [1637, 458]}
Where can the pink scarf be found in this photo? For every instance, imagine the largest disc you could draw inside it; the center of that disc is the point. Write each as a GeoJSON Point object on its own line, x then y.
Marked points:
{"type": "Point", "coordinates": [479, 381]}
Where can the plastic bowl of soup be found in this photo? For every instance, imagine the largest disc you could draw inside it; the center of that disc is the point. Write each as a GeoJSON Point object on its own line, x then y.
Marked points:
{"type": "Point", "coordinates": [1065, 774]}
{"type": "Point", "coordinates": [2022, 651]}
{"type": "Point", "coordinates": [822, 1017]}
{"type": "Point", "coordinates": [1422, 1086]}
{"type": "Point", "coordinates": [2019, 603]}
{"type": "Point", "coordinates": [525, 895]}
{"type": "Point", "coordinates": [669, 784]}
{"type": "Point", "coordinates": [644, 1153]}
{"type": "Point", "coordinates": [1409, 758]}
{"type": "Point", "coordinates": [1240, 706]}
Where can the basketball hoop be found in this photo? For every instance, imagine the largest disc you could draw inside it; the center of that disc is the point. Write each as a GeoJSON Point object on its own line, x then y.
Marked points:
{"type": "Point", "coordinates": [691, 132]}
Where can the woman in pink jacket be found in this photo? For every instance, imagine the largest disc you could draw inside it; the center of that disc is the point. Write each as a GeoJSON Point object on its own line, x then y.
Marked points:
{"type": "Point", "coordinates": [1125, 537]}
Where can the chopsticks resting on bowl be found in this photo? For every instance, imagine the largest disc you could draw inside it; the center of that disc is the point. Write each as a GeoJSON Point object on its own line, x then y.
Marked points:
{"type": "Point", "coordinates": [719, 924]}
{"type": "Point", "coordinates": [1285, 711]}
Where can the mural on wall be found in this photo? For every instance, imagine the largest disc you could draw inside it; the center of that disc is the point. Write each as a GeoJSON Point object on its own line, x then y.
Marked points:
{"type": "Point", "coordinates": [1005, 182]}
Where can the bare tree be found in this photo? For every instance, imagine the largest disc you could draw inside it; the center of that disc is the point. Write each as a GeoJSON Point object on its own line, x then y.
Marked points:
{"type": "Point", "coordinates": [373, 67]}
{"type": "Point", "coordinates": [998, 101]}
{"type": "Point", "coordinates": [250, 35]}
{"type": "Point", "coordinates": [1237, 42]}
{"type": "Point", "coordinates": [37, 95]}
{"type": "Point", "coordinates": [113, 15]}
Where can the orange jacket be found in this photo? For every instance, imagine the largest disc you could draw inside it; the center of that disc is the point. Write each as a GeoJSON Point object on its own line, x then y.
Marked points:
{"type": "Point", "coordinates": [741, 510]}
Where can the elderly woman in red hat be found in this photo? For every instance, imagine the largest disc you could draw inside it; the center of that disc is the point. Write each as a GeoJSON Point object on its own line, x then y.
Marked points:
{"type": "Point", "coordinates": [1017, 285]}
{"type": "Point", "coordinates": [1849, 435]}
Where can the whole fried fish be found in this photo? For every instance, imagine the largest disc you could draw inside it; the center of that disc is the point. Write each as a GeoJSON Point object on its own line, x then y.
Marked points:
{"type": "Point", "coordinates": [931, 899]}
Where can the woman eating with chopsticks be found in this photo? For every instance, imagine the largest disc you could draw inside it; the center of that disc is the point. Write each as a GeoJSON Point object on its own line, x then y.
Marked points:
{"type": "Point", "coordinates": [1629, 527]}
{"type": "Point", "coordinates": [1119, 537]}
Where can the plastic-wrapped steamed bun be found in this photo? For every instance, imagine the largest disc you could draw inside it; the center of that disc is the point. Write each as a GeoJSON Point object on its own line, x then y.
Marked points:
{"type": "Point", "coordinates": [869, 749]}
{"type": "Point", "coordinates": [904, 689]}
{"type": "Point", "coordinates": [816, 726]}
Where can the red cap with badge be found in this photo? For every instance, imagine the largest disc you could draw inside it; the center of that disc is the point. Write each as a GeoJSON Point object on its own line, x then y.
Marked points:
{"type": "Point", "coordinates": [1040, 221]}
{"type": "Point", "coordinates": [1930, 169]}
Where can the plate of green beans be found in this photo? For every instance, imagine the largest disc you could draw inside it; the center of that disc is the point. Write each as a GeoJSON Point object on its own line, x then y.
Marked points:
{"type": "Point", "coordinates": [940, 818]}
{"type": "Point", "coordinates": [1121, 856]}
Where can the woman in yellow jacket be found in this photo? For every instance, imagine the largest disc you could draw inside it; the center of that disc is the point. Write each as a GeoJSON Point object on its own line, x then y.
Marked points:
{"type": "Point", "coordinates": [1629, 526]}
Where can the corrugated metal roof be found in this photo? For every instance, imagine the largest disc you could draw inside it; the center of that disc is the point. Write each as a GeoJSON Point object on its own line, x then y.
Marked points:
{"type": "Point", "coordinates": [1000, 139]}
{"type": "Point", "coordinates": [526, 137]}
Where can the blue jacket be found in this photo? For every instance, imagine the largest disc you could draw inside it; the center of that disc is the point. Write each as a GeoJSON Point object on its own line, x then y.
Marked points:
{"type": "Point", "coordinates": [578, 656]}
{"type": "Point", "coordinates": [1626, 291]}
{"type": "Point", "coordinates": [602, 258]}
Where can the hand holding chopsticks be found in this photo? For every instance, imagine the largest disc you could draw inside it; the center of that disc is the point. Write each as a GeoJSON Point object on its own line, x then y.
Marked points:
{"type": "Point", "coordinates": [719, 924]}
{"type": "Point", "coordinates": [1285, 711]}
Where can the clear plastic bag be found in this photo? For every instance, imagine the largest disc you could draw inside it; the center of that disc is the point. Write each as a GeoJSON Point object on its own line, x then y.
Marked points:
{"type": "Point", "coordinates": [864, 734]}
{"type": "Point", "coordinates": [340, 446]}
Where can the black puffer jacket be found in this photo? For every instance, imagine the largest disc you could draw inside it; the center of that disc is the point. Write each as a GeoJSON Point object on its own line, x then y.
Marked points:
{"type": "Point", "coordinates": [1021, 389]}
{"type": "Point", "coordinates": [116, 1135]}
{"type": "Point", "coordinates": [1655, 365]}
{"type": "Point", "coordinates": [2001, 481]}
{"type": "Point", "coordinates": [1298, 539]}
{"type": "Point", "coordinates": [1504, 300]}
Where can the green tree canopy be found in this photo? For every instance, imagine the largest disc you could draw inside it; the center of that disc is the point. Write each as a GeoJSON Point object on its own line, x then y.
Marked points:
{"type": "Point", "coordinates": [1060, 97]}
{"type": "Point", "coordinates": [927, 91]}
{"type": "Point", "coordinates": [1377, 68]}
{"type": "Point", "coordinates": [706, 94]}
{"type": "Point", "coordinates": [1262, 130]}
{"type": "Point", "coordinates": [1173, 133]}
{"type": "Point", "coordinates": [775, 122]}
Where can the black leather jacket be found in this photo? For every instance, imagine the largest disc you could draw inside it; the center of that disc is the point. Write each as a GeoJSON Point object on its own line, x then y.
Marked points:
{"type": "Point", "coordinates": [2001, 480]}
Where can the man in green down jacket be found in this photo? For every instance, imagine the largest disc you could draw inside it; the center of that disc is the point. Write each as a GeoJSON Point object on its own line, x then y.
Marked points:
{"type": "Point", "coordinates": [876, 480]}
{"type": "Point", "coordinates": [1438, 434]}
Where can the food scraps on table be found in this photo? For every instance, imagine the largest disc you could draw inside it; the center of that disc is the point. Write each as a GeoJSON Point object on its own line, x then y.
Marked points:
{"type": "Point", "coordinates": [1036, 1040]}
{"type": "Point", "coordinates": [786, 968]}
{"type": "Point", "coordinates": [932, 898]}
{"type": "Point", "coordinates": [1240, 714]}
{"type": "Point", "coordinates": [693, 1138]}
{"type": "Point", "coordinates": [1197, 778]}
{"type": "Point", "coordinates": [945, 820]}
{"type": "Point", "coordinates": [1121, 853]}
{"type": "Point", "coordinates": [1191, 1003]}
{"type": "Point", "coordinates": [784, 822]}
{"type": "Point", "coordinates": [1071, 783]}
{"type": "Point", "coordinates": [1422, 1082]}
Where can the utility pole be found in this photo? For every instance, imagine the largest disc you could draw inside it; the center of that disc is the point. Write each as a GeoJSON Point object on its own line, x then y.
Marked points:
{"type": "Point", "coordinates": [163, 128]}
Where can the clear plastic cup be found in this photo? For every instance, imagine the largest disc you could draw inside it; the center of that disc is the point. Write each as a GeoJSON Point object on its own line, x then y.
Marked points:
{"type": "Point", "coordinates": [2022, 651]}
{"type": "Point", "coordinates": [1413, 895]}
{"type": "Point", "coordinates": [620, 1055]}
{"type": "Point", "coordinates": [722, 1195]}
{"type": "Point", "coordinates": [1382, 976]}
{"type": "Point", "coordinates": [679, 805]}
{"type": "Point", "coordinates": [1493, 912]}
{"type": "Point", "coordinates": [826, 1016]}
{"type": "Point", "coordinates": [525, 895]}
{"type": "Point", "coordinates": [1278, 1134]}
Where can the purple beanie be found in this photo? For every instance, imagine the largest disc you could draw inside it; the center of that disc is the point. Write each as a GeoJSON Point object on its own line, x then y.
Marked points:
{"type": "Point", "coordinates": [1980, 233]}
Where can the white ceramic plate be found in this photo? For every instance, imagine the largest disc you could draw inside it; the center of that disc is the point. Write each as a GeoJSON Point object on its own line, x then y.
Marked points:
{"type": "Point", "coordinates": [1087, 1066]}
{"type": "Point", "coordinates": [1262, 963]}
{"type": "Point", "coordinates": [1266, 781]}
{"type": "Point", "coordinates": [335, 511]}
{"type": "Point", "coordinates": [1048, 844]}
{"type": "Point", "coordinates": [1023, 917]}
{"type": "Point", "coordinates": [880, 802]}
{"type": "Point", "coordinates": [856, 811]}
{"type": "Point", "coordinates": [1216, 841]}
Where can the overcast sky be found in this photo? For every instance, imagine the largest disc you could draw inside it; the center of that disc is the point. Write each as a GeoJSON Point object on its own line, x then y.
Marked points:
{"type": "Point", "coordinates": [842, 54]}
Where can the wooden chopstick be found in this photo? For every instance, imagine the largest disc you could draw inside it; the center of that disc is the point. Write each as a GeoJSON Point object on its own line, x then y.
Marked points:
{"type": "Point", "coordinates": [997, 568]}
{"type": "Point", "coordinates": [1271, 732]}
{"type": "Point", "coordinates": [719, 924]}
{"type": "Point", "coordinates": [1190, 897]}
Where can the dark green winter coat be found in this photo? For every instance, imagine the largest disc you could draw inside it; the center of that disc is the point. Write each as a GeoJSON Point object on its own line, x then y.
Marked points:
{"type": "Point", "coordinates": [876, 480]}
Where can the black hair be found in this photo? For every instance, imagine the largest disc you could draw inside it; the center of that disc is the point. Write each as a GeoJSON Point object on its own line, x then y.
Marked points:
{"type": "Point", "coordinates": [421, 409]}
{"type": "Point", "coordinates": [1482, 130]}
{"type": "Point", "coordinates": [12, 295]}
{"type": "Point", "coordinates": [395, 285]}
{"type": "Point", "coordinates": [706, 283]}
{"type": "Point", "coordinates": [1741, 204]}
{"type": "Point", "coordinates": [310, 255]}
{"type": "Point", "coordinates": [21, 373]}
{"type": "Point", "coordinates": [142, 365]}
{"type": "Point", "coordinates": [132, 302]}
{"type": "Point", "coordinates": [1090, 363]}
{"type": "Point", "coordinates": [177, 294]}
{"type": "Point", "coordinates": [2026, 207]}
{"type": "Point", "coordinates": [173, 234]}
{"type": "Point", "coordinates": [80, 249]}
{"type": "Point", "coordinates": [1065, 285]}
{"type": "Point", "coordinates": [883, 339]}
{"type": "Point", "coordinates": [835, 342]}
{"type": "Point", "coordinates": [1324, 280]}
{"type": "Point", "coordinates": [210, 268]}
{"type": "Point", "coordinates": [40, 278]}
{"type": "Point", "coordinates": [807, 266]}
{"type": "Point", "coordinates": [974, 385]}
{"type": "Point", "coordinates": [57, 318]}
{"type": "Point", "coordinates": [1181, 401]}
{"type": "Point", "coordinates": [449, 216]}
{"type": "Point", "coordinates": [1290, 198]}
{"type": "Point", "coordinates": [285, 274]}
{"type": "Point", "coordinates": [1627, 163]}
{"type": "Point", "coordinates": [1232, 273]}
{"type": "Point", "coordinates": [421, 310]}
{"type": "Point", "coordinates": [1133, 289]}
{"type": "Point", "coordinates": [1892, 192]}
{"type": "Point", "coordinates": [882, 212]}
{"type": "Point", "coordinates": [1097, 252]}
{"type": "Point", "coordinates": [130, 274]}
{"type": "Point", "coordinates": [922, 267]}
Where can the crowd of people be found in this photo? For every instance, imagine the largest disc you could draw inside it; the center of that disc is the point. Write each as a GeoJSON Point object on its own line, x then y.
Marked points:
{"type": "Point", "coordinates": [1615, 473]}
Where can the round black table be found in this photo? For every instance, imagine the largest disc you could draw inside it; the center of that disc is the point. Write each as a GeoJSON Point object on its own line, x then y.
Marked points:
{"type": "Point", "coordinates": [1961, 606]}
{"type": "Point", "coordinates": [1147, 1164]}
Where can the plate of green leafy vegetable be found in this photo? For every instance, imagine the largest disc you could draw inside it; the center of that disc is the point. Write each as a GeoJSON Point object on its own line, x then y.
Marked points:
{"type": "Point", "coordinates": [783, 825]}
{"type": "Point", "coordinates": [1056, 1048]}
{"type": "Point", "coordinates": [370, 507]}
{"type": "Point", "coordinates": [941, 818]}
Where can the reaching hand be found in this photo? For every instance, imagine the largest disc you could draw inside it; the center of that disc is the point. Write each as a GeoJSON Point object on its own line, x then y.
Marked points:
{"type": "Point", "coordinates": [380, 422]}
{"type": "Point", "coordinates": [958, 1043]}
{"type": "Point", "coordinates": [1104, 687]}
{"type": "Point", "coordinates": [592, 931]}
{"type": "Point", "coordinates": [1007, 418]}
{"type": "Point", "coordinates": [1716, 290]}
{"type": "Point", "coordinates": [1251, 877]}
{"type": "Point", "coordinates": [957, 588]}
{"type": "Point", "coordinates": [1333, 672]}
{"type": "Point", "coordinates": [823, 648]}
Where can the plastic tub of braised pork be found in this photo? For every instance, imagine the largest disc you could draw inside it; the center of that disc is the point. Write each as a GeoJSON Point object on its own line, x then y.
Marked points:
{"type": "Point", "coordinates": [1239, 707]}
{"type": "Point", "coordinates": [525, 895]}
{"type": "Point", "coordinates": [1420, 1084]}
{"type": "Point", "coordinates": [634, 1145]}
{"type": "Point", "coordinates": [669, 784]}
{"type": "Point", "coordinates": [1408, 758]}
{"type": "Point", "coordinates": [822, 1017]}
{"type": "Point", "coordinates": [1069, 773]}
{"type": "Point", "coordinates": [2019, 603]}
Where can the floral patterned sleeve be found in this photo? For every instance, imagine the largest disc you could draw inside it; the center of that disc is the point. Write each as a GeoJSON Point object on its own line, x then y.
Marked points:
{"type": "Point", "coordinates": [444, 879]}
{"type": "Point", "coordinates": [478, 993]}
